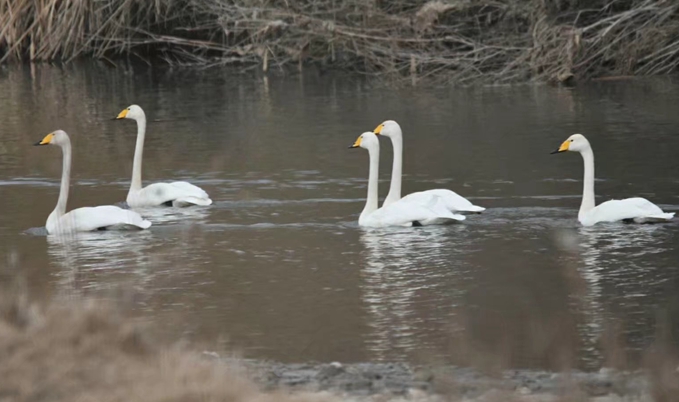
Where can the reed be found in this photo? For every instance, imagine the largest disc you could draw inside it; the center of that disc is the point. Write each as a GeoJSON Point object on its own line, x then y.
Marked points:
{"type": "Point", "coordinates": [89, 351]}
{"type": "Point", "coordinates": [84, 349]}
{"type": "Point", "coordinates": [454, 41]}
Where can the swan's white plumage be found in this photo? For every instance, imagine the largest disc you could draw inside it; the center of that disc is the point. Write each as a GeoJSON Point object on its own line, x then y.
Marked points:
{"type": "Point", "coordinates": [400, 213]}
{"type": "Point", "coordinates": [178, 193]}
{"type": "Point", "coordinates": [453, 201]}
{"type": "Point", "coordinates": [639, 210]}
{"type": "Point", "coordinates": [87, 218]}
{"type": "Point", "coordinates": [404, 213]}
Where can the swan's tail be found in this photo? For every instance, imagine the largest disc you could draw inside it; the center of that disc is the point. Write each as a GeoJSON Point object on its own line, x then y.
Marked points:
{"type": "Point", "coordinates": [438, 206]}
{"type": "Point", "coordinates": [190, 200]}
{"type": "Point", "coordinates": [459, 217]}
{"type": "Point", "coordinates": [472, 209]}
{"type": "Point", "coordinates": [134, 219]}
{"type": "Point", "coordinates": [134, 223]}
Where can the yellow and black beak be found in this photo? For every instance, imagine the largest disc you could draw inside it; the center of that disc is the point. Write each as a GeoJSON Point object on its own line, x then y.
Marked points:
{"type": "Point", "coordinates": [562, 148]}
{"type": "Point", "coordinates": [122, 114]}
{"type": "Point", "coordinates": [357, 143]}
{"type": "Point", "coordinates": [45, 141]}
{"type": "Point", "coordinates": [378, 130]}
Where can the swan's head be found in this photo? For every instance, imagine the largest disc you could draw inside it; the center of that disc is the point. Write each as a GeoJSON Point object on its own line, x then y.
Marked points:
{"type": "Point", "coordinates": [574, 143]}
{"type": "Point", "coordinates": [367, 140]}
{"type": "Point", "coordinates": [133, 112]}
{"type": "Point", "coordinates": [388, 128]}
{"type": "Point", "coordinates": [58, 137]}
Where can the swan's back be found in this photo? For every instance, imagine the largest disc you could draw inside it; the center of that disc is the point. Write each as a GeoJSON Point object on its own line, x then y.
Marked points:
{"type": "Point", "coordinates": [404, 213]}
{"type": "Point", "coordinates": [87, 219]}
{"type": "Point", "coordinates": [179, 193]}
{"type": "Point", "coordinates": [637, 209]}
{"type": "Point", "coordinates": [453, 201]}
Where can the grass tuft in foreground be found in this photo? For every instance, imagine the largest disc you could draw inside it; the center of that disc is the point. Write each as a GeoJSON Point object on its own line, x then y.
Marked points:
{"type": "Point", "coordinates": [90, 353]}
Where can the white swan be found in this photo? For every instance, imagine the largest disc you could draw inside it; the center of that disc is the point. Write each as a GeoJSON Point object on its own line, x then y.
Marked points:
{"type": "Point", "coordinates": [400, 213]}
{"type": "Point", "coordinates": [639, 210]}
{"type": "Point", "coordinates": [88, 218]}
{"type": "Point", "coordinates": [453, 201]}
{"type": "Point", "coordinates": [178, 193]}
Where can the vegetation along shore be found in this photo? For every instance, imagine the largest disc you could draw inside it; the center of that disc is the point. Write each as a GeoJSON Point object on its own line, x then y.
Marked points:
{"type": "Point", "coordinates": [89, 350]}
{"type": "Point", "coordinates": [447, 41]}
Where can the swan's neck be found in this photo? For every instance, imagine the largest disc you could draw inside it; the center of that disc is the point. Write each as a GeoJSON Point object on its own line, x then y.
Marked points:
{"type": "Point", "coordinates": [371, 201]}
{"type": "Point", "coordinates": [396, 169]}
{"type": "Point", "coordinates": [138, 152]}
{"type": "Point", "coordinates": [60, 209]}
{"type": "Point", "coordinates": [588, 182]}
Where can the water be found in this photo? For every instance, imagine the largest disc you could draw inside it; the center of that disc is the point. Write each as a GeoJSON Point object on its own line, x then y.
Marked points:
{"type": "Point", "coordinates": [278, 269]}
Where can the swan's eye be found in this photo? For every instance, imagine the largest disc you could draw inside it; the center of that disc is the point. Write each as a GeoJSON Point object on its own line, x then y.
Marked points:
{"type": "Point", "coordinates": [571, 140]}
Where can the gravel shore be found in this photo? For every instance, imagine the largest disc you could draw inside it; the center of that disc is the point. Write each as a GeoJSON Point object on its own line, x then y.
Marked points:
{"type": "Point", "coordinates": [398, 381]}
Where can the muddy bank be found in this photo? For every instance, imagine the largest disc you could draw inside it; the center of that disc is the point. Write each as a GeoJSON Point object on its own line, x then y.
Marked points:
{"type": "Point", "coordinates": [399, 380]}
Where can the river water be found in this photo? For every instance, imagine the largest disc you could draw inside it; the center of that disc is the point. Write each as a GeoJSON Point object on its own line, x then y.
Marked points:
{"type": "Point", "coordinates": [277, 267]}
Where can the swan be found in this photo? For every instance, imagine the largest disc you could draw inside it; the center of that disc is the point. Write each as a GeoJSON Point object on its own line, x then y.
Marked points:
{"type": "Point", "coordinates": [400, 213]}
{"type": "Point", "coordinates": [178, 193]}
{"type": "Point", "coordinates": [88, 218]}
{"type": "Point", "coordinates": [639, 210]}
{"type": "Point", "coordinates": [453, 201]}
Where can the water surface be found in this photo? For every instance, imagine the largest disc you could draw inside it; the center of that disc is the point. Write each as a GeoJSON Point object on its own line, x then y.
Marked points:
{"type": "Point", "coordinates": [278, 268]}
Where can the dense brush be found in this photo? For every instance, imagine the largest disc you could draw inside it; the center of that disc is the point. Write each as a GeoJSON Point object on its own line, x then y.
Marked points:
{"type": "Point", "coordinates": [458, 41]}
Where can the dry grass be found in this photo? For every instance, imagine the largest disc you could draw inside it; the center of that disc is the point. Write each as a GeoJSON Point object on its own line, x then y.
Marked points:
{"type": "Point", "coordinates": [458, 41]}
{"type": "Point", "coordinates": [89, 353]}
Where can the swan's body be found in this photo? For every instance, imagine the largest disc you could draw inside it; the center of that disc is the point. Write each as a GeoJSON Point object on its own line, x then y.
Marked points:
{"type": "Point", "coordinates": [178, 193]}
{"type": "Point", "coordinates": [400, 213]}
{"type": "Point", "coordinates": [452, 201]}
{"type": "Point", "coordinates": [88, 218]}
{"type": "Point", "coordinates": [639, 210]}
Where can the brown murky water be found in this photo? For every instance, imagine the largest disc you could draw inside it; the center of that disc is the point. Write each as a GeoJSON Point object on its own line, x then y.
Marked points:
{"type": "Point", "coordinates": [278, 268]}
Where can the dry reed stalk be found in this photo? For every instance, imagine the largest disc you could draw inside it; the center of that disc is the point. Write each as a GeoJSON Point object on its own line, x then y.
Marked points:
{"type": "Point", "coordinates": [90, 352]}
{"type": "Point", "coordinates": [456, 41]}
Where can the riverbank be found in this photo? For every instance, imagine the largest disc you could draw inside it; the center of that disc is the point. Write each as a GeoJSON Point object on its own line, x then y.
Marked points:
{"type": "Point", "coordinates": [88, 351]}
{"type": "Point", "coordinates": [410, 41]}
{"type": "Point", "coordinates": [397, 380]}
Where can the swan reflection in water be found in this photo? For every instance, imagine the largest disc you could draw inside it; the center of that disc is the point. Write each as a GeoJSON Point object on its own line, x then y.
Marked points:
{"type": "Point", "coordinates": [612, 264]}
{"type": "Point", "coordinates": [408, 276]}
{"type": "Point", "coordinates": [83, 255]}
{"type": "Point", "coordinates": [143, 267]}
